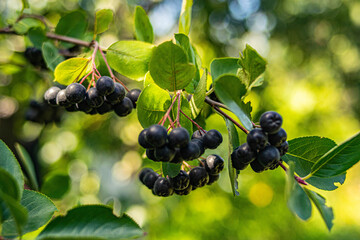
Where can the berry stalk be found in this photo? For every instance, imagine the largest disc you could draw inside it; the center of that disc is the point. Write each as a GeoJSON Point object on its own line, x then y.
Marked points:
{"type": "Point", "coordinates": [297, 178]}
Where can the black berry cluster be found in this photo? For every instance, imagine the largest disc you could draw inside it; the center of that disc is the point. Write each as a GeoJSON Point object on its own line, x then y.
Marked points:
{"type": "Point", "coordinates": [182, 184]}
{"type": "Point", "coordinates": [42, 112]}
{"type": "Point", "coordinates": [264, 145]}
{"type": "Point", "coordinates": [106, 96]}
{"type": "Point", "coordinates": [35, 57]}
{"type": "Point", "coordinates": [177, 146]}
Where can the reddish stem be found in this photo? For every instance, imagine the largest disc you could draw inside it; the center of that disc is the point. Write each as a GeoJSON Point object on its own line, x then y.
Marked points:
{"type": "Point", "coordinates": [107, 64]}
{"type": "Point", "coordinates": [187, 165]}
{"type": "Point", "coordinates": [83, 79]}
{"type": "Point", "coordinates": [298, 179]}
{"type": "Point", "coordinates": [163, 119]}
{"type": "Point", "coordinates": [118, 80]}
{"type": "Point", "coordinates": [195, 123]}
{"type": "Point", "coordinates": [178, 110]}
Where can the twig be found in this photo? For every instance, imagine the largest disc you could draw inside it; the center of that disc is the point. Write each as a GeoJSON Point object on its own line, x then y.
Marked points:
{"type": "Point", "coordinates": [195, 123]}
{"type": "Point", "coordinates": [298, 179]}
{"type": "Point", "coordinates": [215, 103]}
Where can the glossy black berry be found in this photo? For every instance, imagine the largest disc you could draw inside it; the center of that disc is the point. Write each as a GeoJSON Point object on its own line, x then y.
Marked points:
{"type": "Point", "coordinates": [213, 178]}
{"type": "Point", "coordinates": [163, 188]}
{"type": "Point", "coordinates": [104, 108]}
{"type": "Point", "coordinates": [200, 144]}
{"type": "Point", "coordinates": [142, 139]}
{"type": "Point", "coordinates": [50, 95]}
{"type": "Point", "coordinates": [143, 172]}
{"type": "Point", "coordinates": [75, 92]}
{"type": "Point", "coordinates": [268, 155]}
{"type": "Point", "coordinates": [178, 137]}
{"type": "Point", "coordinates": [245, 154]}
{"type": "Point", "coordinates": [123, 108]}
{"type": "Point", "coordinates": [93, 98]}
{"type": "Point", "coordinates": [177, 157]}
{"type": "Point", "coordinates": [271, 122]}
{"type": "Point", "coordinates": [61, 99]}
{"type": "Point", "coordinates": [190, 151]}
{"type": "Point", "coordinates": [156, 135]}
{"type": "Point", "coordinates": [214, 164]}
{"type": "Point", "coordinates": [198, 134]}
{"type": "Point", "coordinates": [278, 138]}
{"type": "Point", "coordinates": [84, 107]}
{"type": "Point", "coordinates": [134, 94]}
{"type": "Point", "coordinates": [184, 192]}
{"type": "Point", "coordinates": [257, 166]}
{"type": "Point", "coordinates": [180, 181]}
{"type": "Point", "coordinates": [283, 149]}
{"type": "Point", "coordinates": [212, 139]}
{"type": "Point", "coordinates": [150, 153]}
{"type": "Point", "coordinates": [256, 139]}
{"type": "Point", "coordinates": [71, 108]}
{"type": "Point", "coordinates": [150, 179]}
{"type": "Point", "coordinates": [105, 85]}
{"type": "Point", "coordinates": [164, 153]}
{"type": "Point", "coordinates": [117, 95]}
{"type": "Point", "coordinates": [198, 177]}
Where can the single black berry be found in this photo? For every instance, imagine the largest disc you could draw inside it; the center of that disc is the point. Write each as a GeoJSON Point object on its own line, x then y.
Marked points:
{"type": "Point", "coordinates": [212, 139]}
{"type": "Point", "coordinates": [178, 137]}
{"type": "Point", "coordinates": [156, 135]}
{"type": "Point", "coordinates": [271, 122]}
{"type": "Point", "coordinates": [163, 188]}
{"type": "Point", "coordinates": [256, 139]}
{"type": "Point", "coordinates": [150, 179]}
{"type": "Point", "coordinates": [143, 172]}
{"type": "Point", "coordinates": [186, 191]}
{"type": "Point", "coordinates": [104, 108]}
{"type": "Point", "coordinates": [71, 108]}
{"type": "Point", "coordinates": [84, 107]}
{"type": "Point", "coordinates": [117, 95]}
{"type": "Point", "coordinates": [214, 164]}
{"type": "Point", "coordinates": [177, 157]}
{"type": "Point", "coordinates": [93, 98]}
{"type": "Point", "coordinates": [244, 153]}
{"type": "Point", "coordinates": [150, 153]}
{"type": "Point", "coordinates": [257, 166]}
{"type": "Point", "coordinates": [75, 92]}
{"type": "Point", "coordinates": [278, 138]}
{"type": "Point", "coordinates": [200, 144]}
{"type": "Point", "coordinates": [198, 177]}
{"type": "Point", "coordinates": [123, 108]}
{"type": "Point", "coordinates": [50, 95]}
{"type": "Point", "coordinates": [180, 181]}
{"type": "Point", "coordinates": [213, 178]}
{"type": "Point", "coordinates": [283, 149]}
{"type": "Point", "coordinates": [198, 134]}
{"type": "Point", "coordinates": [61, 99]}
{"type": "Point", "coordinates": [134, 94]}
{"type": "Point", "coordinates": [142, 139]}
{"type": "Point", "coordinates": [268, 155]}
{"type": "Point", "coordinates": [164, 153]}
{"type": "Point", "coordinates": [105, 85]}
{"type": "Point", "coordinates": [190, 151]}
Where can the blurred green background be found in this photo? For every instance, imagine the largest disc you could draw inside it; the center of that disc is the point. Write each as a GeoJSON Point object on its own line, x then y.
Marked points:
{"type": "Point", "coordinates": [312, 80]}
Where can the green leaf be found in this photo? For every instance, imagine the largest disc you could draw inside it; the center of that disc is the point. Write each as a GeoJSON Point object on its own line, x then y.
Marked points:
{"type": "Point", "coordinates": [37, 36]}
{"type": "Point", "coordinates": [40, 210]}
{"type": "Point", "coordinates": [185, 17]}
{"type": "Point", "coordinates": [338, 159]}
{"type": "Point", "coordinates": [185, 107]}
{"type": "Point", "coordinates": [143, 29]}
{"type": "Point", "coordinates": [169, 67]}
{"type": "Point", "coordinates": [91, 222]}
{"type": "Point", "coordinates": [221, 66]}
{"type": "Point", "coordinates": [25, 4]}
{"type": "Point", "coordinates": [56, 185]}
{"type": "Point", "coordinates": [28, 165]}
{"type": "Point", "coordinates": [233, 143]}
{"type": "Point", "coordinates": [71, 70]}
{"type": "Point", "coordinates": [297, 200]}
{"type": "Point", "coordinates": [230, 90]}
{"type": "Point", "coordinates": [253, 65]}
{"type": "Point", "coordinates": [9, 163]}
{"type": "Point", "coordinates": [148, 80]}
{"type": "Point", "coordinates": [171, 169]}
{"type": "Point", "coordinates": [198, 98]}
{"type": "Point", "coordinates": [304, 152]}
{"type": "Point", "coordinates": [183, 41]}
{"type": "Point", "coordinates": [51, 55]}
{"type": "Point", "coordinates": [130, 58]}
{"type": "Point", "coordinates": [8, 185]}
{"type": "Point", "coordinates": [24, 25]}
{"type": "Point", "coordinates": [152, 104]}
{"type": "Point", "coordinates": [103, 19]}
{"type": "Point", "coordinates": [73, 24]}
{"type": "Point", "coordinates": [320, 203]}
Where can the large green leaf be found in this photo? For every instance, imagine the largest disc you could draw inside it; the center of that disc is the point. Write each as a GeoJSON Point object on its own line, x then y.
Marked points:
{"type": "Point", "coordinates": [338, 159]}
{"type": "Point", "coordinates": [230, 90]}
{"type": "Point", "coordinates": [185, 17]}
{"type": "Point", "coordinates": [320, 203]}
{"type": "Point", "coordinates": [130, 58]}
{"type": "Point", "coordinates": [169, 67]}
{"type": "Point", "coordinates": [297, 200]}
{"type": "Point", "coordinates": [221, 66]}
{"type": "Point", "coordinates": [103, 18]}
{"type": "Point", "coordinates": [185, 107]}
{"type": "Point", "coordinates": [28, 165]}
{"type": "Point", "coordinates": [253, 65]}
{"type": "Point", "coordinates": [152, 104]}
{"type": "Point", "coordinates": [304, 152]}
{"type": "Point", "coordinates": [143, 29]}
{"type": "Point", "coordinates": [72, 70]}
{"type": "Point", "coordinates": [24, 25]}
{"type": "Point", "coordinates": [198, 98]}
{"type": "Point", "coordinates": [56, 185]}
{"type": "Point", "coordinates": [51, 55]}
{"type": "Point", "coordinates": [233, 143]}
{"type": "Point", "coordinates": [73, 24]}
{"type": "Point", "coordinates": [9, 163]}
{"type": "Point", "coordinates": [8, 185]}
{"type": "Point", "coordinates": [40, 210]}
{"type": "Point", "coordinates": [91, 222]}
{"type": "Point", "coordinates": [170, 169]}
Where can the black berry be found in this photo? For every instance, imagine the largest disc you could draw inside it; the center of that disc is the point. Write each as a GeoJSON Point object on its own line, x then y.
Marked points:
{"type": "Point", "coordinates": [61, 99]}
{"type": "Point", "coordinates": [75, 92]}
{"type": "Point", "coordinates": [212, 139]}
{"type": "Point", "coordinates": [190, 151]}
{"type": "Point", "coordinates": [214, 164]}
{"type": "Point", "coordinates": [257, 166]}
{"type": "Point", "coordinates": [117, 95]}
{"type": "Point", "coordinates": [143, 172]}
{"type": "Point", "coordinates": [105, 85]}
{"type": "Point", "coordinates": [271, 122]}
{"type": "Point", "coordinates": [164, 153]}
{"type": "Point", "coordinates": [142, 139]}
{"type": "Point", "coordinates": [84, 107]}
{"type": "Point", "coordinates": [245, 154]}
{"type": "Point", "coordinates": [283, 149]}
{"type": "Point", "coordinates": [150, 153]}
{"type": "Point", "coordinates": [180, 181]}
{"type": "Point", "coordinates": [200, 144]}
{"type": "Point", "coordinates": [213, 178]}
{"type": "Point", "coordinates": [104, 108]}
{"type": "Point", "coordinates": [278, 138]}
{"type": "Point", "coordinates": [50, 95]}
{"type": "Point", "coordinates": [162, 187]}
{"type": "Point", "coordinates": [123, 108]}
{"type": "Point", "coordinates": [150, 179]}
{"type": "Point", "coordinates": [177, 157]}
{"type": "Point", "coordinates": [178, 137]}
{"type": "Point", "coordinates": [198, 177]}
{"type": "Point", "coordinates": [186, 191]}
{"type": "Point", "coordinates": [256, 139]}
{"type": "Point", "coordinates": [156, 135]}
{"type": "Point", "coordinates": [93, 98]}
{"type": "Point", "coordinates": [134, 94]}
{"type": "Point", "coordinates": [268, 155]}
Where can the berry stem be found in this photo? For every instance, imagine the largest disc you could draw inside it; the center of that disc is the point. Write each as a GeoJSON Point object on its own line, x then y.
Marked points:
{"type": "Point", "coordinates": [187, 165]}
{"type": "Point", "coordinates": [212, 103]}
{"type": "Point", "coordinates": [163, 119]}
{"type": "Point", "coordinates": [298, 179]}
{"type": "Point", "coordinates": [178, 109]}
{"type": "Point", "coordinates": [106, 62]}
{"type": "Point", "coordinates": [83, 79]}
{"type": "Point", "coordinates": [197, 125]}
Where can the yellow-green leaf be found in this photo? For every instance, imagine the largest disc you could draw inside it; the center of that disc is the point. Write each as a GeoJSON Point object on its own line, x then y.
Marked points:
{"type": "Point", "coordinates": [103, 19]}
{"type": "Point", "coordinates": [72, 69]}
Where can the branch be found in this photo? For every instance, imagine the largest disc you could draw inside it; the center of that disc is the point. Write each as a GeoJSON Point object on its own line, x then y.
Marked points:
{"type": "Point", "coordinates": [212, 102]}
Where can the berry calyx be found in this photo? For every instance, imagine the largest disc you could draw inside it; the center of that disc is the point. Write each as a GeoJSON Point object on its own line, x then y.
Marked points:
{"type": "Point", "coordinates": [271, 122]}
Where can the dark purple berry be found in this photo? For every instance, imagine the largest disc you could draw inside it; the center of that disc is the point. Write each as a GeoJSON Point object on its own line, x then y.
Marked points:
{"type": "Point", "coordinates": [163, 188]}
{"type": "Point", "coordinates": [150, 179]}
{"type": "Point", "coordinates": [75, 93]}
{"type": "Point", "coordinates": [134, 94]}
{"type": "Point", "coordinates": [84, 107]}
{"type": "Point", "coordinates": [143, 172]}
{"type": "Point", "coordinates": [214, 164]}
{"type": "Point", "coordinates": [156, 135]}
{"type": "Point", "coordinates": [283, 149]}
{"type": "Point", "coordinates": [93, 98]}
{"type": "Point", "coordinates": [256, 139]}
{"type": "Point", "coordinates": [61, 99]}
{"type": "Point", "coordinates": [278, 138]}
{"type": "Point", "coordinates": [198, 177]}
{"type": "Point", "coordinates": [71, 108]}
{"type": "Point", "coordinates": [212, 139]}
{"type": "Point", "coordinates": [142, 139]}
{"type": "Point", "coordinates": [164, 153]}
{"type": "Point", "coordinates": [105, 85]}
{"type": "Point", "coordinates": [177, 157]}
{"type": "Point", "coordinates": [123, 108]}
{"type": "Point", "coordinates": [178, 137]}
{"type": "Point", "coordinates": [256, 166]}
{"type": "Point", "coordinates": [186, 191]}
{"type": "Point", "coordinates": [104, 108]}
{"type": "Point", "coordinates": [150, 153]}
{"type": "Point", "coordinates": [271, 122]}
{"type": "Point", "coordinates": [200, 144]}
{"type": "Point", "coordinates": [117, 95]}
{"type": "Point", "coordinates": [50, 95]}
{"type": "Point", "coordinates": [190, 151]}
{"type": "Point", "coordinates": [180, 181]}
{"type": "Point", "coordinates": [213, 178]}
{"type": "Point", "coordinates": [245, 154]}
{"type": "Point", "coordinates": [268, 155]}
